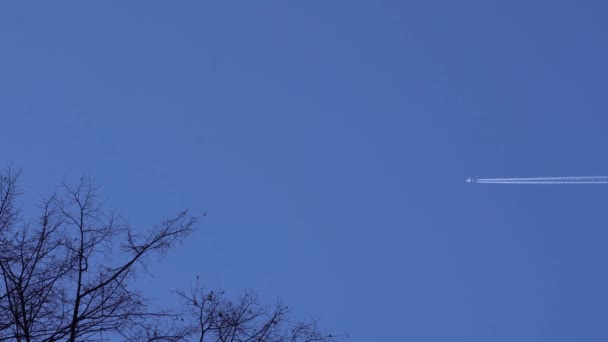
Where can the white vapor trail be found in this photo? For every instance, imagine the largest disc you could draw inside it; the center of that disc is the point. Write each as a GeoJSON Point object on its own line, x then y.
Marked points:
{"type": "Point", "coordinates": [543, 180]}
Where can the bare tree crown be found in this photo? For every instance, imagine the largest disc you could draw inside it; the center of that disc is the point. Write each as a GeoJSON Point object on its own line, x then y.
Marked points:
{"type": "Point", "coordinates": [68, 275]}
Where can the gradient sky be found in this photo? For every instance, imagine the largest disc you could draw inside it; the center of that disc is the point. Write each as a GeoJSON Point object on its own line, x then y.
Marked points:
{"type": "Point", "coordinates": [329, 142]}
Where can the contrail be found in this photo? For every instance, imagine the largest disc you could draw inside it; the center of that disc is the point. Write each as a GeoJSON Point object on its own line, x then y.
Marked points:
{"type": "Point", "coordinates": [542, 180]}
{"type": "Point", "coordinates": [545, 182]}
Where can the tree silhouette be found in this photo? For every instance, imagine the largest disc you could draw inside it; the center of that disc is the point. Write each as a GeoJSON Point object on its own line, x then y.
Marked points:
{"type": "Point", "coordinates": [69, 276]}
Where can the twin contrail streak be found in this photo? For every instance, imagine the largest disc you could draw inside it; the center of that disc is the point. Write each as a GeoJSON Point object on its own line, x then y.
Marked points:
{"type": "Point", "coordinates": [542, 180]}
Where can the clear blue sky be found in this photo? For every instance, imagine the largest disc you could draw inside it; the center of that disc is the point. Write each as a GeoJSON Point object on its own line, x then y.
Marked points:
{"type": "Point", "coordinates": [329, 142]}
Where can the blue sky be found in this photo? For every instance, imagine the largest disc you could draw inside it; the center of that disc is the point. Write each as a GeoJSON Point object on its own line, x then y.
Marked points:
{"type": "Point", "coordinates": [329, 142]}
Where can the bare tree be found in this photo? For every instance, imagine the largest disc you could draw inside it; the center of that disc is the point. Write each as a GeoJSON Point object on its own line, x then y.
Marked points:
{"type": "Point", "coordinates": [69, 276]}
{"type": "Point", "coordinates": [212, 316]}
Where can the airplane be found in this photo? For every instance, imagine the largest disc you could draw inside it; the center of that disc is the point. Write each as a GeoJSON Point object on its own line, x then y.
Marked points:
{"type": "Point", "coordinates": [470, 180]}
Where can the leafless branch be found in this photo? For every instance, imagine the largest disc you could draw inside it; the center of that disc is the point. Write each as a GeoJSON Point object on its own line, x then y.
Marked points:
{"type": "Point", "coordinates": [68, 275]}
